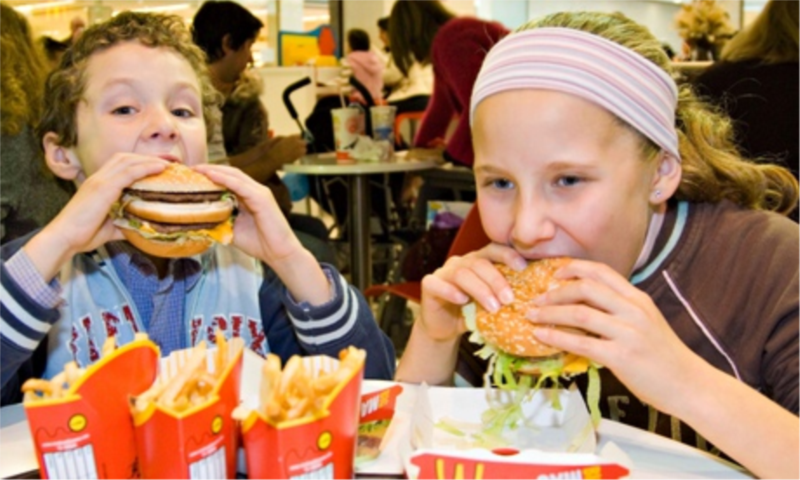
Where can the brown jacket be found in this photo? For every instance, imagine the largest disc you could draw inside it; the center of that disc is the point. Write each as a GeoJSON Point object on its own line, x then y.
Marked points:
{"type": "Point", "coordinates": [245, 124]}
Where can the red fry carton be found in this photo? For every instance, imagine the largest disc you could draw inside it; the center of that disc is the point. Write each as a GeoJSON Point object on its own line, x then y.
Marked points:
{"type": "Point", "coordinates": [200, 442]}
{"type": "Point", "coordinates": [321, 446]}
{"type": "Point", "coordinates": [89, 432]}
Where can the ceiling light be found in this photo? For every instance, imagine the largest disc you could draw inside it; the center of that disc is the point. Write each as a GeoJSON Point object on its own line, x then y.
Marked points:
{"type": "Point", "coordinates": [26, 9]}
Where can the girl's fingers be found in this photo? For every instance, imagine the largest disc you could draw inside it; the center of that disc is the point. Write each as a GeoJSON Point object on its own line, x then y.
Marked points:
{"type": "Point", "coordinates": [593, 294]}
{"type": "Point", "coordinates": [593, 348]}
{"type": "Point", "coordinates": [581, 317]}
{"type": "Point", "coordinates": [598, 272]}
{"type": "Point", "coordinates": [437, 287]}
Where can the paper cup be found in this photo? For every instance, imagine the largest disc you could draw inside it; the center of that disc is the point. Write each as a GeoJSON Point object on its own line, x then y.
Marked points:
{"type": "Point", "coordinates": [383, 122]}
{"type": "Point", "coordinates": [348, 124]}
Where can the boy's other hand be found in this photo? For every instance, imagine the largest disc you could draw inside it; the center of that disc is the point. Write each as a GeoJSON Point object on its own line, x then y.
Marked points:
{"type": "Point", "coordinates": [261, 231]}
{"type": "Point", "coordinates": [84, 223]}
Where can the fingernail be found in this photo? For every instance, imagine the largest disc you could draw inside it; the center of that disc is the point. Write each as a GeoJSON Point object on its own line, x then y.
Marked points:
{"type": "Point", "coordinates": [507, 296]}
{"type": "Point", "coordinates": [461, 298]}
{"type": "Point", "coordinates": [533, 314]}
{"type": "Point", "coordinates": [520, 264]}
{"type": "Point", "coordinates": [493, 305]}
{"type": "Point", "coordinates": [540, 299]}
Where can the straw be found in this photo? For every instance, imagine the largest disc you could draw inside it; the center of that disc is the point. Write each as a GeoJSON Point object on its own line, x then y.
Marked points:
{"type": "Point", "coordinates": [341, 97]}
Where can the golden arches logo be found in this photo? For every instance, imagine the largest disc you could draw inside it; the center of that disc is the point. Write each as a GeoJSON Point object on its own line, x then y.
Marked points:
{"type": "Point", "coordinates": [216, 424]}
{"type": "Point", "coordinates": [458, 473]}
{"type": "Point", "coordinates": [324, 441]}
{"type": "Point", "coordinates": [77, 422]}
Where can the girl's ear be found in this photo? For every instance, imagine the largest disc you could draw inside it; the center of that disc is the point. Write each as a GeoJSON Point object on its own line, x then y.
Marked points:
{"type": "Point", "coordinates": [226, 44]}
{"type": "Point", "coordinates": [62, 161]}
{"type": "Point", "coordinates": [666, 180]}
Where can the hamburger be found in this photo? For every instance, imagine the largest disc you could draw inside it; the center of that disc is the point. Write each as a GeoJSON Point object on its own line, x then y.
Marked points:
{"type": "Point", "coordinates": [176, 213]}
{"type": "Point", "coordinates": [509, 333]}
{"type": "Point", "coordinates": [517, 360]}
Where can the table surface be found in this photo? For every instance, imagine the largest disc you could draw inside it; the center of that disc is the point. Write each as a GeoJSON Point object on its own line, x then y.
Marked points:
{"type": "Point", "coordinates": [652, 456]}
{"type": "Point", "coordinates": [327, 164]}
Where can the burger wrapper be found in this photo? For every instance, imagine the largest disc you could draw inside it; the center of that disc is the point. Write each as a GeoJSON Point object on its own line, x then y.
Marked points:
{"type": "Point", "coordinates": [376, 413]}
{"type": "Point", "coordinates": [89, 433]}
{"type": "Point", "coordinates": [554, 444]}
{"type": "Point", "coordinates": [201, 442]}
{"type": "Point", "coordinates": [312, 447]}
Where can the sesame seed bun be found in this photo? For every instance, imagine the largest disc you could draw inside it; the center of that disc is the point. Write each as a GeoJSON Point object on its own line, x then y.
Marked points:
{"type": "Point", "coordinates": [177, 178]}
{"type": "Point", "coordinates": [508, 329]}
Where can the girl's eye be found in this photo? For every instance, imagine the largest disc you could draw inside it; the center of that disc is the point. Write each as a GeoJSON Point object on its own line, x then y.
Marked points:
{"type": "Point", "coordinates": [568, 181]}
{"type": "Point", "coordinates": [183, 113]}
{"type": "Point", "coordinates": [502, 184]}
{"type": "Point", "coordinates": [126, 110]}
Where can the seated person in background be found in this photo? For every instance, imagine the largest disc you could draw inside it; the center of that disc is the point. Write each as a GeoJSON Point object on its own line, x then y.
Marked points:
{"type": "Point", "coordinates": [425, 32]}
{"type": "Point", "coordinates": [363, 64]}
{"type": "Point", "coordinates": [226, 32]}
{"type": "Point", "coordinates": [757, 84]}
{"type": "Point", "coordinates": [142, 93]}
{"type": "Point", "coordinates": [53, 50]}
{"type": "Point", "coordinates": [410, 92]}
{"type": "Point", "coordinates": [684, 271]}
{"type": "Point", "coordinates": [30, 196]}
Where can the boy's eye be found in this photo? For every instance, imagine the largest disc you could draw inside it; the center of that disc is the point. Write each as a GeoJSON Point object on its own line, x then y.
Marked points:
{"type": "Point", "coordinates": [183, 113]}
{"type": "Point", "coordinates": [126, 110]}
{"type": "Point", "coordinates": [568, 181]}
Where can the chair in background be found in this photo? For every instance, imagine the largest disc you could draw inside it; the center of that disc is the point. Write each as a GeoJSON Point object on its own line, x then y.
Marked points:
{"type": "Point", "coordinates": [392, 308]}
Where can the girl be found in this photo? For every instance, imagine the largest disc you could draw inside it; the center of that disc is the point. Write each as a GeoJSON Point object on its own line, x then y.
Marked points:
{"type": "Point", "coordinates": [687, 283]}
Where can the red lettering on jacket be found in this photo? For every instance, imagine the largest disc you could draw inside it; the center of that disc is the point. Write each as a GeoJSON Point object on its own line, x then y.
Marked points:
{"type": "Point", "coordinates": [94, 354]}
{"type": "Point", "coordinates": [257, 344]}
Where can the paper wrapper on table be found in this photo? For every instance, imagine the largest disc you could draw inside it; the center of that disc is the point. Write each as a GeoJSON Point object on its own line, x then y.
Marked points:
{"type": "Point", "coordinates": [200, 442]}
{"type": "Point", "coordinates": [376, 413]}
{"type": "Point", "coordinates": [89, 433]}
{"type": "Point", "coordinates": [314, 447]}
{"type": "Point", "coordinates": [553, 444]}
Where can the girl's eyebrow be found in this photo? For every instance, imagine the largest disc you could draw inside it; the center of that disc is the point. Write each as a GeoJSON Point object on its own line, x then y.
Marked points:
{"type": "Point", "coordinates": [487, 170]}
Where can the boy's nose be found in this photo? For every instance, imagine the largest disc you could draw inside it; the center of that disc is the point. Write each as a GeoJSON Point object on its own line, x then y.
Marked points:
{"type": "Point", "coordinates": [161, 125]}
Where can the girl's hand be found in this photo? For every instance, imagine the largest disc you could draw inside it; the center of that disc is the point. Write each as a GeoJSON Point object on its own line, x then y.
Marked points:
{"type": "Point", "coordinates": [260, 229]}
{"type": "Point", "coordinates": [461, 279]}
{"type": "Point", "coordinates": [84, 223]}
{"type": "Point", "coordinates": [630, 336]}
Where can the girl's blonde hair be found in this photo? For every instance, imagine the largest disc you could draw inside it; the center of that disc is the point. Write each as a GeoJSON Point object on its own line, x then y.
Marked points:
{"type": "Point", "coordinates": [713, 168]}
{"type": "Point", "coordinates": [22, 73]}
{"type": "Point", "coordinates": [771, 38]}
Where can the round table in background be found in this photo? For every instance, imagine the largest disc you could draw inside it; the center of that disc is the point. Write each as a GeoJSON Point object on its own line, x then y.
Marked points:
{"type": "Point", "coordinates": [357, 173]}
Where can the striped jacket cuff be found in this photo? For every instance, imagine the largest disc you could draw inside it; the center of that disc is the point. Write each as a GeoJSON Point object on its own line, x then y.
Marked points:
{"type": "Point", "coordinates": [328, 323]}
{"type": "Point", "coordinates": [23, 321]}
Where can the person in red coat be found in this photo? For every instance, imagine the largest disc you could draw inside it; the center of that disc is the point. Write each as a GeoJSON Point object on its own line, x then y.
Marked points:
{"type": "Point", "coordinates": [426, 32]}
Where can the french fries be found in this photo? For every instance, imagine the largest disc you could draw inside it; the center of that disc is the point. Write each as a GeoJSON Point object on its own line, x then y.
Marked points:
{"type": "Point", "coordinates": [193, 384]}
{"type": "Point", "coordinates": [36, 389]}
{"type": "Point", "coordinates": [295, 392]}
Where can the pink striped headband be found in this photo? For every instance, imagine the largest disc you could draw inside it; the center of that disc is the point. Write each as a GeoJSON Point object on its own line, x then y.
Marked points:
{"type": "Point", "coordinates": [589, 66]}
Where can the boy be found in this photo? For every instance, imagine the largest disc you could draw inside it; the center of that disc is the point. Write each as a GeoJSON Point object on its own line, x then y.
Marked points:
{"type": "Point", "coordinates": [131, 96]}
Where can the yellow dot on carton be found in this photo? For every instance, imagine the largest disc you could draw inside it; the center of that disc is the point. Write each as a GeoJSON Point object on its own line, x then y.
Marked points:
{"type": "Point", "coordinates": [77, 422]}
{"type": "Point", "coordinates": [324, 440]}
{"type": "Point", "coordinates": [216, 424]}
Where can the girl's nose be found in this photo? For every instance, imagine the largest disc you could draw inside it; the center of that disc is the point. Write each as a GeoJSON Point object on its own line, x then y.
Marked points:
{"type": "Point", "coordinates": [533, 224]}
{"type": "Point", "coordinates": [161, 125]}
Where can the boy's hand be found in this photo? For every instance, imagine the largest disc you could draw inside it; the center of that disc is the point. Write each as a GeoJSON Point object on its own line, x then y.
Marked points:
{"type": "Point", "coordinates": [84, 223]}
{"type": "Point", "coordinates": [261, 230]}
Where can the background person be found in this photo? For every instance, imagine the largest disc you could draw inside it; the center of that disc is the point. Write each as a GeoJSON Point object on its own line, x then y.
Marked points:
{"type": "Point", "coordinates": [30, 196]}
{"type": "Point", "coordinates": [427, 33]}
{"type": "Point", "coordinates": [756, 83]}
{"type": "Point", "coordinates": [410, 92]}
{"type": "Point", "coordinates": [671, 231]}
{"type": "Point", "coordinates": [226, 32]}
{"type": "Point", "coordinates": [363, 64]}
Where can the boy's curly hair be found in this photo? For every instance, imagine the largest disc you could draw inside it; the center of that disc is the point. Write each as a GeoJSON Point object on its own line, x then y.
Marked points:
{"type": "Point", "coordinates": [66, 84]}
